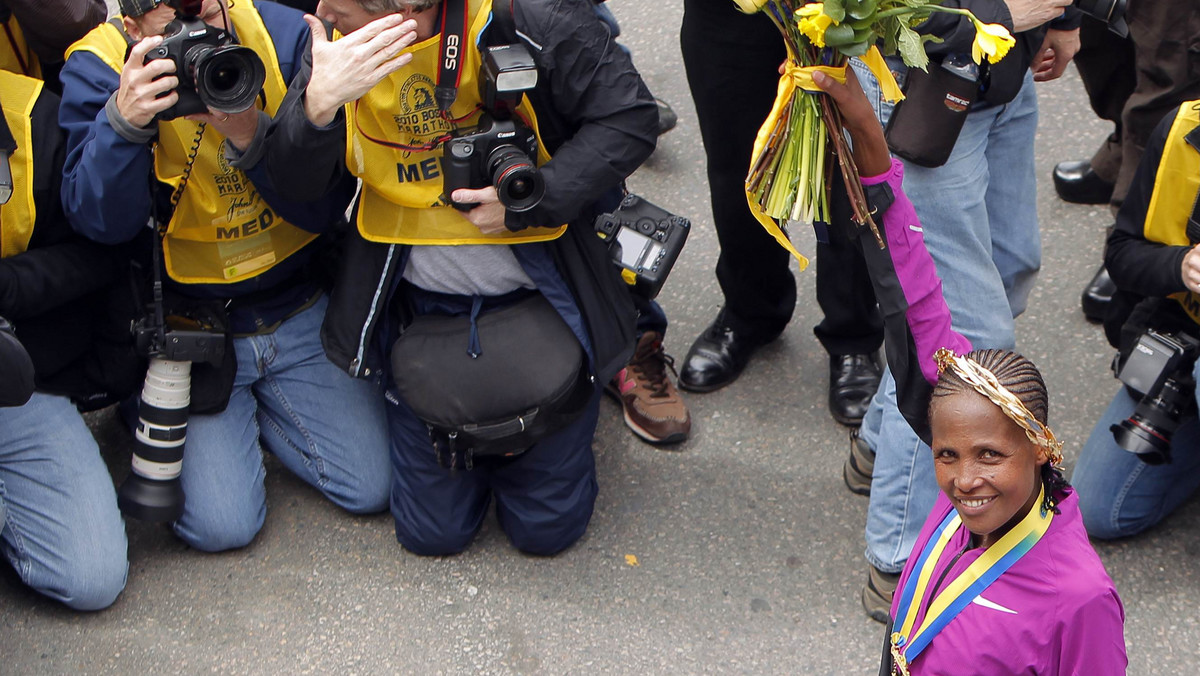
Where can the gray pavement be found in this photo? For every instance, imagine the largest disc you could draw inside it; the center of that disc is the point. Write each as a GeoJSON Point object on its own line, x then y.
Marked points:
{"type": "Point", "coordinates": [748, 546]}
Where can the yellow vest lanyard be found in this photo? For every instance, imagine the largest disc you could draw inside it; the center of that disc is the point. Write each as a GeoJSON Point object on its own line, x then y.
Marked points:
{"type": "Point", "coordinates": [394, 135]}
{"type": "Point", "coordinates": [15, 54]}
{"type": "Point", "coordinates": [18, 214]}
{"type": "Point", "coordinates": [907, 644]}
{"type": "Point", "coordinates": [221, 230]}
{"type": "Point", "coordinates": [1176, 187]}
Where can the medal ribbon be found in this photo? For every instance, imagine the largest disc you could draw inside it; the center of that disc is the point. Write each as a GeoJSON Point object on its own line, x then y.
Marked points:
{"type": "Point", "coordinates": [968, 585]}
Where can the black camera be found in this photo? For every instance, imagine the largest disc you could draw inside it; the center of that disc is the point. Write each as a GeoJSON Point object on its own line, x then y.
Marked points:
{"type": "Point", "coordinates": [644, 240]}
{"type": "Point", "coordinates": [153, 491]}
{"type": "Point", "coordinates": [1111, 12]}
{"type": "Point", "coordinates": [1159, 368]}
{"type": "Point", "coordinates": [214, 71]}
{"type": "Point", "coordinates": [499, 151]}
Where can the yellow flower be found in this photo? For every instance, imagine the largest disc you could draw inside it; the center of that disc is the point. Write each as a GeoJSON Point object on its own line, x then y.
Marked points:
{"type": "Point", "coordinates": [814, 28]}
{"type": "Point", "coordinates": [811, 9]}
{"type": "Point", "coordinates": [813, 22]}
{"type": "Point", "coordinates": [750, 6]}
{"type": "Point", "coordinates": [991, 40]}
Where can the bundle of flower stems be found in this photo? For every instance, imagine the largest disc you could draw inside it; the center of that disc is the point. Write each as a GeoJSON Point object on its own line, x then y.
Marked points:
{"type": "Point", "coordinates": [788, 177]}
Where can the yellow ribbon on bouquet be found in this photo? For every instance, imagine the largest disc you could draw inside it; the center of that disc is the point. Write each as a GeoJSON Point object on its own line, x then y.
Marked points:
{"type": "Point", "coordinates": [800, 77]}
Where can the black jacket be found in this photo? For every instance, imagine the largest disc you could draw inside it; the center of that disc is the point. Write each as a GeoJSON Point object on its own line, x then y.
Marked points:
{"type": "Point", "coordinates": [598, 119]}
{"type": "Point", "coordinates": [1141, 268]}
{"type": "Point", "coordinates": [69, 299]}
{"type": "Point", "coordinates": [1001, 80]}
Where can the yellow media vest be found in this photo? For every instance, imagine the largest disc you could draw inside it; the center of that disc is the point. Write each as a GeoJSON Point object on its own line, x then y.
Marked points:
{"type": "Point", "coordinates": [17, 96]}
{"type": "Point", "coordinates": [222, 230]}
{"type": "Point", "coordinates": [1176, 186]}
{"type": "Point", "coordinates": [401, 197]}
{"type": "Point", "coordinates": [15, 54]}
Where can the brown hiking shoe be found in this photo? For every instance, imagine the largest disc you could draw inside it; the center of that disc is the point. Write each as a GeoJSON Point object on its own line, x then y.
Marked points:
{"type": "Point", "coordinates": [653, 407]}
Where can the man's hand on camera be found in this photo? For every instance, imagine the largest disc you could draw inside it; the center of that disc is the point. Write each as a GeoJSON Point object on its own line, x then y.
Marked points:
{"type": "Point", "coordinates": [1028, 14]}
{"type": "Point", "coordinates": [345, 69]}
{"type": "Point", "coordinates": [238, 128]}
{"type": "Point", "coordinates": [1057, 50]}
{"type": "Point", "coordinates": [146, 89]}
{"type": "Point", "coordinates": [489, 215]}
{"type": "Point", "coordinates": [1191, 269]}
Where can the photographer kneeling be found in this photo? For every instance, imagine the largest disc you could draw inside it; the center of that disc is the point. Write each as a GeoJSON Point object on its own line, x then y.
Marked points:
{"type": "Point", "coordinates": [165, 117]}
{"type": "Point", "coordinates": [461, 276]}
{"type": "Point", "coordinates": [1143, 457]}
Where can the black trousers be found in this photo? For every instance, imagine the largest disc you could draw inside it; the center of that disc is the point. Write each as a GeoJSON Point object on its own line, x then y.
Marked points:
{"type": "Point", "coordinates": [1136, 81]}
{"type": "Point", "coordinates": [732, 62]}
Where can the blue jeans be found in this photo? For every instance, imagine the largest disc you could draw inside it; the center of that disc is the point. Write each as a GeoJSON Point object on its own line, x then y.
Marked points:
{"type": "Point", "coordinates": [62, 530]}
{"type": "Point", "coordinates": [1119, 495]}
{"type": "Point", "coordinates": [979, 214]}
{"type": "Point", "coordinates": [326, 427]}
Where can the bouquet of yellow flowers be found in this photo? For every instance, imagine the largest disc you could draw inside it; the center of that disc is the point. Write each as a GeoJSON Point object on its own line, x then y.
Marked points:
{"type": "Point", "coordinates": [788, 180]}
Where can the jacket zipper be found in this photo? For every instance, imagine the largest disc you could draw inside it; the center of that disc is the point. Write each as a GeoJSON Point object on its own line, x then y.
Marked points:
{"type": "Point", "coordinates": [356, 363]}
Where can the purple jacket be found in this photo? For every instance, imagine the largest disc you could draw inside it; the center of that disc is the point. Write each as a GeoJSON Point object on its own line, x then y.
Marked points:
{"type": "Point", "coordinates": [1055, 611]}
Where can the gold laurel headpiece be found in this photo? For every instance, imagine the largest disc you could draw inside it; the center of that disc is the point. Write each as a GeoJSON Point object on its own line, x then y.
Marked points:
{"type": "Point", "coordinates": [985, 383]}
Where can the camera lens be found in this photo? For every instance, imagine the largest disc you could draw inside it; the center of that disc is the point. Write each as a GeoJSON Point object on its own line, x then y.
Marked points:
{"type": "Point", "coordinates": [153, 491]}
{"type": "Point", "coordinates": [1148, 431]}
{"type": "Point", "coordinates": [228, 79]}
{"type": "Point", "coordinates": [518, 182]}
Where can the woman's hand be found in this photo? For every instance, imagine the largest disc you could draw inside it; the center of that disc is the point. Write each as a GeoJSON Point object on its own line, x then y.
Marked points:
{"type": "Point", "coordinates": [858, 116]}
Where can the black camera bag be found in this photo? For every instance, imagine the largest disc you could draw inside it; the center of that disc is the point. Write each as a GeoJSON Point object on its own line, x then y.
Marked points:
{"type": "Point", "coordinates": [528, 378]}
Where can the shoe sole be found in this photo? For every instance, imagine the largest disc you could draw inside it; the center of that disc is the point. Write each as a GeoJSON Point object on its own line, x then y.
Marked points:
{"type": "Point", "coordinates": [848, 422]}
{"type": "Point", "coordinates": [639, 430]}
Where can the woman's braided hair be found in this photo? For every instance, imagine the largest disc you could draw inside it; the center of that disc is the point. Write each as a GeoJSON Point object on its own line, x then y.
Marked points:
{"type": "Point", "coordinates": [1019, 376]}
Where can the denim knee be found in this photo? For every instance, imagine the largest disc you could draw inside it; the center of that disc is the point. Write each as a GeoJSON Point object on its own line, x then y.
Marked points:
{"type": "Point", "coordinates": [211, 536]}
{"type": "Point", "coordinates": [369, 496]}
{"type": "Point", "coordinates": [92, 584]}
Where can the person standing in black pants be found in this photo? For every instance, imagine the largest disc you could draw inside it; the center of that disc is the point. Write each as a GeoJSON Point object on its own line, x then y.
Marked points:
{"type": "Point", "coordinates": [732, 61]}
{"type": "Point", "coordinates": [1132, 81]}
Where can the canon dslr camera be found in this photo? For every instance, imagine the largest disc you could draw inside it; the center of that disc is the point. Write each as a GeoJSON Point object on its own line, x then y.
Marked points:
{"type": "Point", "coordinates": [1159, 368]}
{"type": "Point", "coordinates": [500, 150]}
{"type": "Point", "coordinates": [153, 490]}
{"type": "Point", "coordinates": [644, 240]}
{"type": "Point", "coordinates": [214, 71]}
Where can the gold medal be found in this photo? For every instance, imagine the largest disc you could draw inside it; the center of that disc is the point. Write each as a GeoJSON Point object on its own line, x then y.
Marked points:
{"type": "Point", "coordinates": [899, 664]}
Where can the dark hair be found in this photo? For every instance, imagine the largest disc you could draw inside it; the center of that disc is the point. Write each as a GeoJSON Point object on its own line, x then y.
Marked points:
{"type": "Point", "coordinates": [1019, 376]}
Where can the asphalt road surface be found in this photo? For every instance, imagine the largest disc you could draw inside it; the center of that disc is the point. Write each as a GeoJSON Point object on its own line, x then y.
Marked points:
{"type": "Point", "coordinates": [738, 552]}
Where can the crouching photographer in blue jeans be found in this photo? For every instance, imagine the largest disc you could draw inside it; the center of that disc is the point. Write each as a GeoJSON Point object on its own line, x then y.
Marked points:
{"type": "Point", "coordinates": [1142, 459]}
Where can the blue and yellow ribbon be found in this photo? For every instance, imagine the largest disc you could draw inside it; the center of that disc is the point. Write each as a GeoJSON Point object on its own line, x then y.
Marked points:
{"type": "Point", "coordinates": [907, 644]}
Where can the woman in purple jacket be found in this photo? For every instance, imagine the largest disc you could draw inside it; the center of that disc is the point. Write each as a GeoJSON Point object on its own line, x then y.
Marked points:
{"type": "Point", "coordinates": [1002, 579]}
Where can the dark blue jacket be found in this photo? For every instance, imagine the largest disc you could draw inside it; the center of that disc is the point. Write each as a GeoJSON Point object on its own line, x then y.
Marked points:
{"type": "Point", "coordinates": [106, 186]}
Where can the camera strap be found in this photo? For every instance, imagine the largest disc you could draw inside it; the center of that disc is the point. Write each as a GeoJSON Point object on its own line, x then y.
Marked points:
{"type": "Point", "coordinates": [1193, 225]}
{"type": "Point", "coordinates": [454, 31]}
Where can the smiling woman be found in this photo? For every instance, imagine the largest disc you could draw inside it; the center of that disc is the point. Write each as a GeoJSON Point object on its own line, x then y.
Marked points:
{"type": "Point", "coordinates": [1002, 576]}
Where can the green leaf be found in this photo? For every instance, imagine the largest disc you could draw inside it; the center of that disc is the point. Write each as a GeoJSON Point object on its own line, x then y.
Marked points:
{"type": "Point", "coordinates": [839, 35]}
{"type": "Point", "coordinates": [835, 9]}
{"type": "Point", "coordinates": [861, 9]}
{"type": "Point", "coordinates": [912, 48]}
{"type": "Point", "coordinates": [856, 49]}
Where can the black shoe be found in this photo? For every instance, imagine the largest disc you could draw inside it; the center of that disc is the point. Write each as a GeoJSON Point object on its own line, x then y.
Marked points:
{"type": "Point", "coordinates": [853, 379]}
{"type": "Point", "coordinates": [667, 119]}
{"type": "Point", "coordinates": [717, 357]}
{"type": "Point", "coordinates": [1075, 182]}
{"type": "Point", "coordinates": [1097, 295]}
